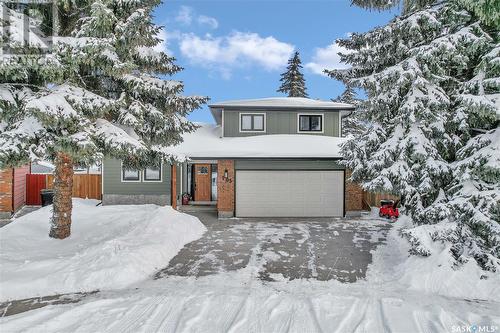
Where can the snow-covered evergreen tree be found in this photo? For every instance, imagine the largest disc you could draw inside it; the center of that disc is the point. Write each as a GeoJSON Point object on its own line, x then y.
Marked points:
{"type": "Point", "coordinates": [405, 5]}
{"type": "Point", "coordinates": [432, 81]}
{"type": "Point", "coordinates": [292, 80]}
{"type": "Point", "coordinates": [347, 96]}
{"type": "Point", "coordinates": [353, 123]}
{"type": "Point", "coordinates": [98, 91]}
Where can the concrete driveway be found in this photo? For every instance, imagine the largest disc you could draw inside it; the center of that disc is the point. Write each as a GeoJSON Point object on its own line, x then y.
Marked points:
{"type": "Point", "coordinates": [284, 248]}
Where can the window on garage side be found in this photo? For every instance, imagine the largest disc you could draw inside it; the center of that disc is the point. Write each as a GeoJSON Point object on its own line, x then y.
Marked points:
{"type": "Point", "coordinates": [252, 122]}
{"type": "Point", "coordinates": [310, 123]}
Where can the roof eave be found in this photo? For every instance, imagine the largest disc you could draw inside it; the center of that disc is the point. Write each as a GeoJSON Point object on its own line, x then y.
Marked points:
{"type": "Point", "coordinates": [284, 107]}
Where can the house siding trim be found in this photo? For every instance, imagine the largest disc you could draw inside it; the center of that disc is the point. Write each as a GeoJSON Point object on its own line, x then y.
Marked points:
{"type": "Point", "coordinates": [289, 164]}
{"type": "Point", "coordinates": [114, 191]}
{"type": "Point", "coordinates": [283, 122]}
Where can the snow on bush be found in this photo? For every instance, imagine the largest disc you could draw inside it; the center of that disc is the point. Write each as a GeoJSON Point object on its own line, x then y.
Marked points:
{"type": "Point", "coordinates": [434, 144]}
{"type": "Point", "coordinates": [110, 247]}
{"type": "Point", "coordinates": [437, 271]}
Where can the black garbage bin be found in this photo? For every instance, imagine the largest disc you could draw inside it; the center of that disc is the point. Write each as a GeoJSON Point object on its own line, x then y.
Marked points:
{"type": "Point", "coordinates": [47, 197]}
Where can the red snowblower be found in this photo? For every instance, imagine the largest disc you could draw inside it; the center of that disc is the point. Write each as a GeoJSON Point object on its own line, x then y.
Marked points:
{"type": "Point", "coordinates": [389, 209]}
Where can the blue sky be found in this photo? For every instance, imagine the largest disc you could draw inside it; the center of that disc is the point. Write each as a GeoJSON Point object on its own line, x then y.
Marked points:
{"type": "Point", "coordinates": [237, 49]}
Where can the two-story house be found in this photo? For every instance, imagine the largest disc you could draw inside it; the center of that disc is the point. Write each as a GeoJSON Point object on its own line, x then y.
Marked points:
{"type": "Point", "coordinates": [271, 157]}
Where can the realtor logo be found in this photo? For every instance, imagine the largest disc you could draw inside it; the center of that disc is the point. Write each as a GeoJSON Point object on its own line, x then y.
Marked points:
{"type": "Point", "coordinates": [474, 329]}
{"type": "Point", "coordinates": [27, 27]}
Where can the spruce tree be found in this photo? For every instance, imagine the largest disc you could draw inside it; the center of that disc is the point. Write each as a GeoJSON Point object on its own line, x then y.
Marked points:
{"type": "Point", "coordinates": [347, 96]}
{"type": "Point", "coordinates": [292, 80]}
{"type": "Point", "coordinates": [431, 77]}
{"type": "Point", "coordinates": [98, 91]}
{"type": "Point", "coordinates": [353, 123]}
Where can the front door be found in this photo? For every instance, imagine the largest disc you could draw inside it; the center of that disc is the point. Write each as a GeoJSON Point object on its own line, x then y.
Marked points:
{"type": "Point", "coordinates": [202, 182]}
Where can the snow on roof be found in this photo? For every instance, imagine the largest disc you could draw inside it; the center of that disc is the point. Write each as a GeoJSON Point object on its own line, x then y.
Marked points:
{"type": "Point", "coordinates": [284, 102]}
{"type": "Point", "coordinates": [206, 142]}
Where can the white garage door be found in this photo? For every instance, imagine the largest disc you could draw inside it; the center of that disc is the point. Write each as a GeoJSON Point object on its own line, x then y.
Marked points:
{"type": "Point", "coordinates": [289, 193]}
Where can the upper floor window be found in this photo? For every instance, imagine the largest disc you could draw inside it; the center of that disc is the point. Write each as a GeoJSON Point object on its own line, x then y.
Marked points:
{"type": "Point", "coordinates": [310, 123]}
{"type": "Point", "coordinates": [252, 122]}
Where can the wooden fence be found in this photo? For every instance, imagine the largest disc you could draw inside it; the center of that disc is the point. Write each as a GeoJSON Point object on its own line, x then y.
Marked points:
{"type": "Point", "coordinates": [84, 186]}
{"type": "Point", "coordinates": [373, 199]}
{"type": "Point", "coordinates": [34, 184]}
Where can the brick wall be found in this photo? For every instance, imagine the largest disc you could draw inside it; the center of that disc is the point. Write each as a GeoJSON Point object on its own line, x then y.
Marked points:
{"type": "Point", "coordinates": [6, 192]}
{"type": "Point", "coordinates": [353, 193]}
{"type": "Point", "coordinates": [225, 188]}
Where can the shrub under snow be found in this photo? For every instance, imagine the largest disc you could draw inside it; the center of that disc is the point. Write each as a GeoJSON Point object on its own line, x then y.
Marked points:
{"type": "Point", "coordinates": [111, 247]}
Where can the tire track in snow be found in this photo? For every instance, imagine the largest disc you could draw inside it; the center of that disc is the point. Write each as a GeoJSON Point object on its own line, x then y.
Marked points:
{"type": "Point", "coordinates": [234, 323]}
{"type": "Point", "coordinates": [350, 320]}
{"type": "Point", "coordinates": [314, 316]}
{"type": "Point", "coordinates": [135, 315]}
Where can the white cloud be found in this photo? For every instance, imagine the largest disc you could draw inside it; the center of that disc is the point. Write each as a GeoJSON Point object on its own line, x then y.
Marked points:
{"type": "Point", "coordinates": [211, 22]}
{"type": "Point", "coordinates": [236, 49]}
{"type": "Point", "coordinates": [163, 45]}
{"type": "Point", "coordinates": [185, 15]}
{"type": "Point", "coordinates": [327, 58]}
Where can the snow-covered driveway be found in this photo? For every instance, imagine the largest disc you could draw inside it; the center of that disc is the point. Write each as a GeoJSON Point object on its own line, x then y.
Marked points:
{"type": "Point", "coordinates": [236, 302]}
{"type": "Point", "coordinates": [254, 288]}
{"type": "Point", "coordinates": [322, 249]}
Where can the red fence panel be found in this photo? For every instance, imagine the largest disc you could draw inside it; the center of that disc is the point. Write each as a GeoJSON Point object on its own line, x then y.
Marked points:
{"type": "Point", "coordinates": [35, 183]}
{"type": "Point", "coordinates": [19, 186]}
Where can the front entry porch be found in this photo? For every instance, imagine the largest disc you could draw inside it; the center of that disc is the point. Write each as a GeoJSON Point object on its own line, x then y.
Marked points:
{"type": "Point", "coordinates": [208, 184]}
{"type": "Point", "coordinates": [198, 180]}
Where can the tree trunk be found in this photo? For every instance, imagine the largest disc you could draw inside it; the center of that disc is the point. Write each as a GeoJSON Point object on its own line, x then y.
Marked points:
{"type": "Point", "coordinates": [63, 189]}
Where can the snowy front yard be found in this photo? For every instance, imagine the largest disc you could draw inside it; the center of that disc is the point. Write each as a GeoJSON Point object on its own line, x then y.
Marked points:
{"type": "Point", "coordinates": [110, 247]}
{"type": "Point", "coordinates": [399, 293]}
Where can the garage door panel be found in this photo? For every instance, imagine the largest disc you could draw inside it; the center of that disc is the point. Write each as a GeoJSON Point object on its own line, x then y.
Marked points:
{"type": "Point", "coordinates": [289, 193]}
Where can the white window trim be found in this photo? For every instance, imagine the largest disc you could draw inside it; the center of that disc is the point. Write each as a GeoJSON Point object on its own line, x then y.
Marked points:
{"type": "Point", "coordinates": [153, 181]}
{"type": "Point", "coordinates": [252, 114]}
{"type": "Point", "coordinates": [129, 181]}
{"type": "Point", "coordinates": [311, 114]}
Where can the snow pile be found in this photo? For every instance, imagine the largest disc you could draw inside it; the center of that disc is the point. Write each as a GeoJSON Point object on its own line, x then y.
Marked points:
{"type": "Point", "coordinates": [437, 273]}
{"type": "Point", "coordinates": [206, 141]}
{"type": "Point", "coordinates": [110, 247]}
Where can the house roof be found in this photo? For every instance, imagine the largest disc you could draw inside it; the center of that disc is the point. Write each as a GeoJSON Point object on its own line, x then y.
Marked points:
{"type": "Point", "coordinates": [278, 103]}
{"type": "Point", "coordinates": [284, 102]}
{"type": "Point", "coordinates": [206, 142]}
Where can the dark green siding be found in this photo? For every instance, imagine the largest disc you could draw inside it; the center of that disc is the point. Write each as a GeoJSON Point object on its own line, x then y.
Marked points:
{"type": "Point", "coordinates": [280, 122]}
{"type": "Point", "coordinates": [287, 165]}
{"type": "Point", "coordinates": [112, 183]}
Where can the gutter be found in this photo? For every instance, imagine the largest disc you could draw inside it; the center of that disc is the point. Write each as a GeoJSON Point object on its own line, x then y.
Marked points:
{"type": "Point", "coordinates": [279, 108]}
